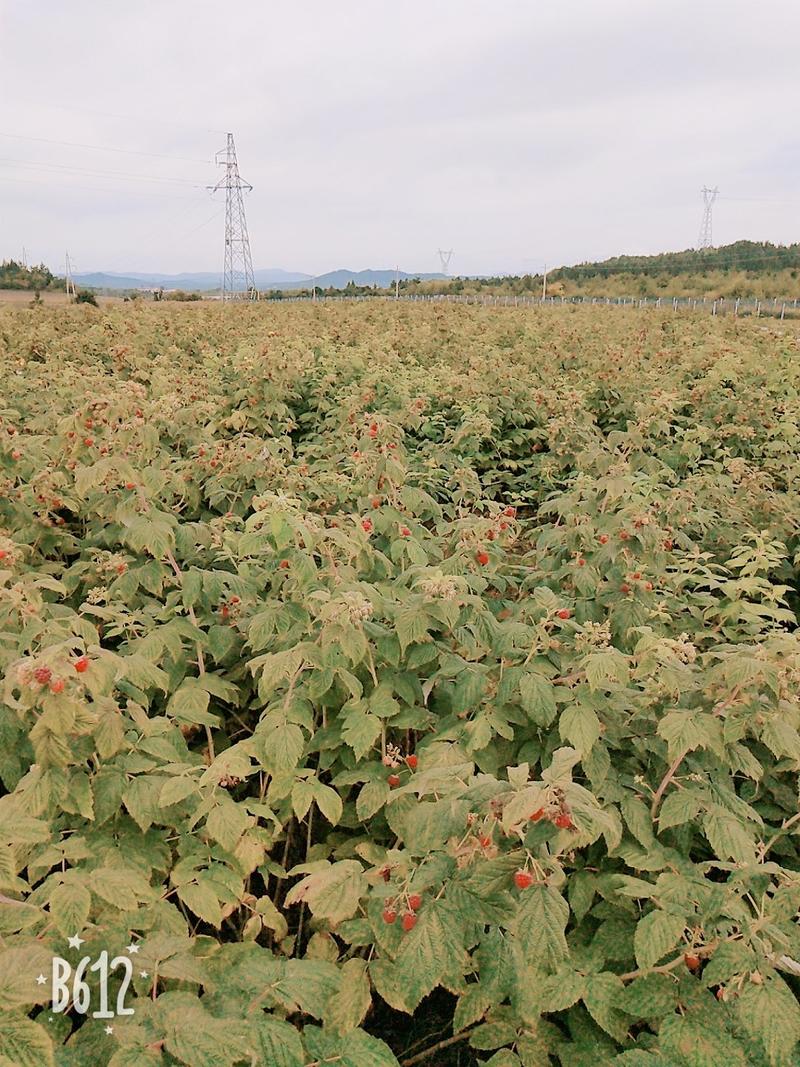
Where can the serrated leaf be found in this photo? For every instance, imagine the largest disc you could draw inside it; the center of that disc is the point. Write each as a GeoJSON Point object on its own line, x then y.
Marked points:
{"type": "Point", "coordinates": [201, 898]}
{"type": "Point", "coordinates": [697, 1042]}
{"type": "Point", "coordinates": [278, 1043]}
{"type": "Point", "coordinates": [432, 950]}
{"type": "Point", "coordinates": [279, 748]}
{"type": "Point", "coordinates": [770, 1013]}
{"type": "Point", "coordinates": [328, 801]}
{"type": "Point", "coordinates": [332, 893]}
{"type": "Point", "coordinates": [537, 696]}
{"type": "Point", "coordinates": [371, 799]}
{"type": "Point", "coordinates": [347, 1008]}
{"type": "Point", "coordinates": [728, 837]}
{"type": "Point", "coordinates": [25, 1043]}
{"type": "Point", "coordinates": [69, 907]}
{"type": "Point", "coordinates": [177, 789]}
{"type": "Point", "coordinates": [579, 725]}
{"type": "Point", "coordinates": [539, 926]}
{"type": "Point", "coordinates": [657, 934]}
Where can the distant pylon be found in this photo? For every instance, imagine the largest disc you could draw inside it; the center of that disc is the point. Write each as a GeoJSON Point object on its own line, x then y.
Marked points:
{"type": "Point", "coordinates": [70, 284]}
{"type": "Point", "coordinates": [238, 282]}
{"type": "Point", "coordinates": [705, 239]}
{"type": "Point", "coordinates": [444, 258]}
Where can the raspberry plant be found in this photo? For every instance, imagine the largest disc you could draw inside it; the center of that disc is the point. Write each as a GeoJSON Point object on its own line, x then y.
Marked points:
{"type": "Point", "coordinates": [356, 652]}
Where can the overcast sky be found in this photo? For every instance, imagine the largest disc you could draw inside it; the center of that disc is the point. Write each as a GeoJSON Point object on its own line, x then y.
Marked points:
{"type": "Point", "coordinates": [516, 132]}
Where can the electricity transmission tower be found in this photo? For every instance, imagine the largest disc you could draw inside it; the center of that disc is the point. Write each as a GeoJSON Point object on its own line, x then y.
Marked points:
{"type": "Point", "coordinates": [444, 258]}
{"type": "Point", "coordinates": [709, 196]}
{"type": "Point", "coordinates": [238, 282]}
{"type": "Point", "coordinates": [70, 284]}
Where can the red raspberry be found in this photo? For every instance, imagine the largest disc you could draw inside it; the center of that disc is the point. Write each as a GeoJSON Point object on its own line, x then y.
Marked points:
{"type": "Point", "coordinates": [389, 916]}
{"type": "Point", "coordinates": [522, 879]}
{"type": "Point", "coordinates": [393, 780]}
{"type": "Point", "coordinates": [409, 921]}
{"type": "Point", "coordinates": [564, 613]}
{"type": "Point", "coordinates": [42, 675]}
{"type": "Point", "coordinates": [415, 901]}
{"type": "Point", "coordinates": [482, 557]}
{"type": "Point", "coordinates": [412, 762]}
{"type": "Point", "coordinates": [81, 664]}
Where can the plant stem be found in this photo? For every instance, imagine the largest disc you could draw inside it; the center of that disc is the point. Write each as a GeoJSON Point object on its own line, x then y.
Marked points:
{"type": "Point", "coordinates": [776, 836]}
{"type": "Point", "coordinates": [665, 782]}
{"type": "Point", "coordinates": [448, 1041]}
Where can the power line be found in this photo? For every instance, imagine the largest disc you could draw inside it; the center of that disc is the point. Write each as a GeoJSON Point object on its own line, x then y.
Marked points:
{"type": "Point", "coordinates": [96, 188]}
{"type": "Point", "coordinates": [114, 174]}
{"type": "Point", "coordinates": [100, 148]}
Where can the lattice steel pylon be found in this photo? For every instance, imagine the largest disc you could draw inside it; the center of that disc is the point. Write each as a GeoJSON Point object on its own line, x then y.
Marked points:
{"type": "Point", "coordinates": [238, 282]}
{"type": "Point", "coordinates": [709, 196]}
{"type": "Point", "coordinates": [444, 259]}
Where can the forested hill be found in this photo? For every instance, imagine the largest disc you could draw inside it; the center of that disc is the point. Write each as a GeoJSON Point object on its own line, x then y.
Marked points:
{"type": "Point", "coordinates": [742, 255]}
{"type": "Point", "coordinates": [14, 275]}
{"type": "Point", "coordinates": [747, 269]}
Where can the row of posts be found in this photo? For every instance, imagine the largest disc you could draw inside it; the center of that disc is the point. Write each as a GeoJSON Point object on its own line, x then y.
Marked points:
{"type": "Point", "coordinates": [721, 305]}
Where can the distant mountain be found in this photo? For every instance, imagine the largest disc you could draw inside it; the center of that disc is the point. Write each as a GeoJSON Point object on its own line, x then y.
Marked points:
{"type": "Point", "coordinates": [203, 281]}
{"type": "Point", "coordinates": [270, 278]}
{"type": "Point", "coordinates": [338, 279]}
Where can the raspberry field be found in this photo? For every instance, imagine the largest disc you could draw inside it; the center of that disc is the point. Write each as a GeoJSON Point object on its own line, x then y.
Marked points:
{"type": "Point", "coordinates": [407, 684]}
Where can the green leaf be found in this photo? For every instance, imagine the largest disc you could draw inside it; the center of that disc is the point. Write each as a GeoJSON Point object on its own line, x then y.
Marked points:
{"type": "Point", "coordinates": [177, 789]}
{"type": "Point", "coordinates": [202, 899]}
{"type": "Point", "coordinates": [602, 998]}
{"type": "Point", "coordinates": [657, 934]}
{"type": "Point", "coordinates": [69, 906]}
{"type": "Point", "coordinates": [679, 807]}
{"type": "Point", "coordinates": [580, 726]}
{"type": "Point", "coordinates": [197, 1039]}
{"type": "Point", "coordinates": [332, 893]}
{"type": "Point", "coordinates": [25, 1043]}
{"type": "Point", "coordinates": [347, 1008]}
{"type": "Point", "coordinates": [539, 926]}
{"type": "Point", "coordinates": [537, 695]}
{"type": "Point", "coordinates": [411, 625]}
{"type": "Point", "coordinates": [371, 799]}
{"type": "Point", "coordinates": [227, 821]}
{"type": "Point", "coordinates": [328, 801]}
{"type": "Point", "coordinates": [727, 836]}
{"type": "Point", "coordinates": [136, 1056]}
{"type": "Point", "coordinates": [279, 748]}
{"type": "Point", "coordinates": [770, 1013]}
{"type": "Point", "coordinates": [189, 704]}
{"type": "Point", "coordinates": [279, 1043]}
{"type": "Point", "coordinates": [433, 950]}
{"type": "Point", "coordinates": [360, 731]}
{"type": "Point", "coordinates": [700, 1042]}
{"type": "Point", "coordinates": [123, 888]}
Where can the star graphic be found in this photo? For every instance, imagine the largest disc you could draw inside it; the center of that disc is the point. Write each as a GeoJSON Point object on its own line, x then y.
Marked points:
{"type": "Point", "coordinates": [132, 948]}
{"type": "Point", "coordinates": [143, 974]}
{"type": "Point", "coordinates": [41, 980]}
{"type": "Point", "coordinates": [109, 1029]}
{"type": "Point", "coordinates": [76, 941]}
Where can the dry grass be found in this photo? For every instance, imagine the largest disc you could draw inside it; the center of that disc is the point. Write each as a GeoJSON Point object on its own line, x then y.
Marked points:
{"type": "Point", "coordinates": [25, 296]}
